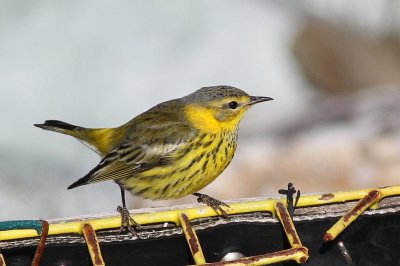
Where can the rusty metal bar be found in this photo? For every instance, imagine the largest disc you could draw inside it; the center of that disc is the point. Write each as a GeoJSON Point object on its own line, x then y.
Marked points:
{"type": "Point", "coordinates": [41, 244]}
{"type": "Point", "coordinates": [297, 254]}
{"type": "Point", "coordinates": [160, 215]}
{"type": "Point", "coordinates": [333, 204]}
{"type": "Point", "coordinates": [2, 261]}
{"type": "Point", "coordinates": [287, 224]}
{"type": "Point", "coordinates": [93, 245]}
{"type": "Point", "coordinates": [192, 240]}
{"type": "Point", "coordinates": [371, 198]}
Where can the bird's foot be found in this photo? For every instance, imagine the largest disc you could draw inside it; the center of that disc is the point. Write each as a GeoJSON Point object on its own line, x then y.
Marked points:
{"type": "Point", "coordinates": [213, 203]}
{"type": "Point", "coordinates": [127, 222]}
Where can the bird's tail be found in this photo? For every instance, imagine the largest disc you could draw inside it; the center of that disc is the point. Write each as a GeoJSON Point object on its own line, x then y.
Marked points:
{"type": "Point", "coordinates": [62, 127]}
{"type": "Point", "coordinates": [101, 140]}
{"type": "Point", "coordinates": [82, 181]}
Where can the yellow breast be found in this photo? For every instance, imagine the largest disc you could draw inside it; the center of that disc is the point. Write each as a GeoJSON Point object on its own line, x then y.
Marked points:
{"type": "Point", "coordinates": [198, 164]}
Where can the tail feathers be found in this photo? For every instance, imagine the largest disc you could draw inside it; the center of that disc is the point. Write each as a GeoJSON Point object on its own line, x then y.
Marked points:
{"type": "Point", "coordinates": [101, 140]}
{"type": "Point", "coordinates": [58, 126]}
{"type": "Point", "coordinates": [82, 181]}
{"type": "Point", "coordinates": [88, 178]}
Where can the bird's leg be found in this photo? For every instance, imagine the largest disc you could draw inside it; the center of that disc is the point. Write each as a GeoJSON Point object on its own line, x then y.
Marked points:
{"type": "Point", "coordinates": [126, 220]}
{"type": "Point", "coordinates": [213, 203]}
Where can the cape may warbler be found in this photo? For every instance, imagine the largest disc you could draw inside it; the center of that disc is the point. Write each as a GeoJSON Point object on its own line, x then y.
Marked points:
{"type": "Point", "coordinates": [172, 150]}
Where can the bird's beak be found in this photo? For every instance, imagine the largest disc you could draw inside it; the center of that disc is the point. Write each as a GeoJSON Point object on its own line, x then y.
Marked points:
{"type": "Point", "coordinates": [258, 99]}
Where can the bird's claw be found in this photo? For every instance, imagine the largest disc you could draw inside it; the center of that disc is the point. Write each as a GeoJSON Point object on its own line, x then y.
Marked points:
{"type": "Point", "coordinates": [127, 222]}
{"type": "Point", "coordinates": [213, 203]}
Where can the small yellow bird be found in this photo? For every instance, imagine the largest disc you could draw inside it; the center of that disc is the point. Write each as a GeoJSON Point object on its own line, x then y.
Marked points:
{"type": "Point", "coordinates": [172, 150]}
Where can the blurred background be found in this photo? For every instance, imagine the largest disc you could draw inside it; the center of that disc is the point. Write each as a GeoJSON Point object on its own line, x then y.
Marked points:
{"type": "Point", "coordinates": [333, 68]}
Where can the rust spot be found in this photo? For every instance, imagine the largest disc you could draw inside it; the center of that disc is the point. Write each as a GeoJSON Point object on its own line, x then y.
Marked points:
{"type": "Point", "coordinates": [327, 237]}
{"type": "Point", "coordinates": [286, 221]}
{"type": "Point", "coordinates": [254, 259]}
{"type": "Point", "coordinates": [327, 196]}
{"type": "Point", "coordinates": [287, 252]}
{"type": "Point", "coordinates": [194, 245]}
{"type": "Point", "coordinates": [42, 242]}
{"type": "Point", "coordinates": [91, 241]}
{"type": "Point", "coordinates": [367, 200]}
{"type": "Point", "coordinates": [303, 259]}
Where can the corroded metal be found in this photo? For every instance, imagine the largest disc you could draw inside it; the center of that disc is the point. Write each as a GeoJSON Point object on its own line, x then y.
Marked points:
{"type": "Point", "coordinates": [363, 204]}
{"type": "Point", "coordinates": [167, 222]}
{"type": "Point", "coordinates": [287, 224]}
{"type": "Point", "coordinates": [153, 215]}
{"type": "Point", "coordinates": [296, 254]}
{"type": "Point", "coordinates": [92, 244]}
{"type": "Point", "coordinates": [192, 239]}
{"type": "Point", "coordinates": [41, 244]}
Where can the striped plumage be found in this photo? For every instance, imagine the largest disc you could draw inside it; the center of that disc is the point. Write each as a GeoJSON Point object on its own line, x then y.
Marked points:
{"type": "Point", "coordinates": [174, 149]}
{"type": "Point", "coordinates": [189, 168]}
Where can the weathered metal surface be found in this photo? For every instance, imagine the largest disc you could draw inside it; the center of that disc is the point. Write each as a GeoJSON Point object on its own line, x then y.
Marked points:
{"type": "Point", "coordinates": [93, 245]}
{"type": "Point", "coordinates": [251, 230]}
{"type": "Point", "coordinates": [41, 244]}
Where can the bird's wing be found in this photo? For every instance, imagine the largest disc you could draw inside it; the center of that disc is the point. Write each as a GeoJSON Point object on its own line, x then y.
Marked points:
{"type": "Point", "coordinates": [158, 146]}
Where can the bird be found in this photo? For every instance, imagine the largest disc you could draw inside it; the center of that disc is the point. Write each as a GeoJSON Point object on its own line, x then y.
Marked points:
{"type": "Point", "coordinates": [174, 149]}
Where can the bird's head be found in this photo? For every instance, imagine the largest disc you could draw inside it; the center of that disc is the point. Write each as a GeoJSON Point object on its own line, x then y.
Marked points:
{"type": "Point", "coordinates": [219, 107]}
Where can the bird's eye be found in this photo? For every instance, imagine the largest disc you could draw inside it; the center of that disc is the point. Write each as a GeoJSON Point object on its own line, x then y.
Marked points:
{"type": "Point", "coordinates": [233, 105]}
